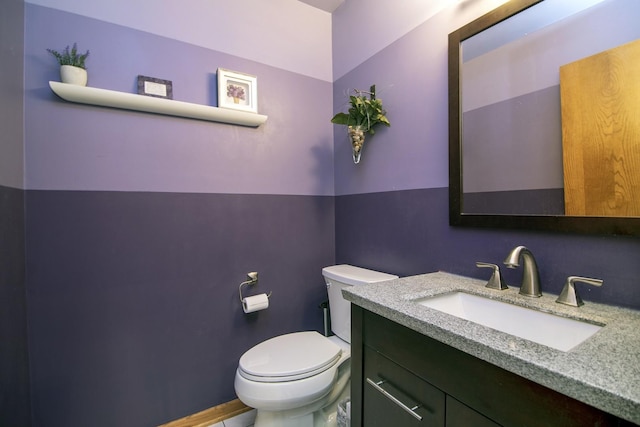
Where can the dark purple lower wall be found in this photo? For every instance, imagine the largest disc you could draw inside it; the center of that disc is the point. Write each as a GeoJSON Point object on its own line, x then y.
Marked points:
{"type": "Point", "coordinates": [14, 361]}
{"type": "Point", "coordinates": [408, 233]}
{"type": "Point", "coordinates": [134, 315]}
{"type": "Point", "coordinates": [134, 312]}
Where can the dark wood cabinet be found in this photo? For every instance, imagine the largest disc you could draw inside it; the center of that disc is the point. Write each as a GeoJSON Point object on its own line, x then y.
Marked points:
{"type": "Point", "coordinates": [403, 378]}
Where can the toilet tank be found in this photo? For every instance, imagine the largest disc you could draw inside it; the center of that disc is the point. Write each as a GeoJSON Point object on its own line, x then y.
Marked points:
{"type": "Point", "coordinates": [337, 277]}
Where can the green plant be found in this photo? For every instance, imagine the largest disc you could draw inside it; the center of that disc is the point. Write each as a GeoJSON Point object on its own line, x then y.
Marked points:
{"type": "Point", "coordinates": [364, 112]}
{"type": "Point", "coordinates": [70, 57]}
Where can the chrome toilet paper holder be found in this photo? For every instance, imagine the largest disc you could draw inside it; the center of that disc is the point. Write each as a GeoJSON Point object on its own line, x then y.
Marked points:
{"type": "Point", "coordinates": [253, 279]}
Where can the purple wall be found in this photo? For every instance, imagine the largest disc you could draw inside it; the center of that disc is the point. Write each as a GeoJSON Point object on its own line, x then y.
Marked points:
{"type": "Point", "coordinates": [11, 93]}
{"type": "Point", "coordinates": [140, 227]}
{"type": "Point", "coordinates": [14, 359]}
{"type": "Point", "coordinates": [135, 317]}
{"type": "Point", "coordinates": [407, 232]}
{"type": "Point", "coordinates": [131, 151]}
{"type": "Point", "coordinates": [14, 363]}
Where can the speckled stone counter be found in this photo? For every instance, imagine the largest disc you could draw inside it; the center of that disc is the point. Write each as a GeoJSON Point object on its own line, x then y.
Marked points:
{"type": "Point", "coordinates": [603, 371]}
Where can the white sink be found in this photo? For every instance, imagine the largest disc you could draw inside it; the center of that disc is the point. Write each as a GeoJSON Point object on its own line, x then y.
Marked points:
{"type": "Point", "coordinates": [543, 328]}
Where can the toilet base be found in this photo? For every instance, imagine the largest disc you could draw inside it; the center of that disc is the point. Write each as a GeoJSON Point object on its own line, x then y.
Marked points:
{"type": "Point", "coordinates": [326, 416]}
{"type": "Point", "coordinates": [282, 419]}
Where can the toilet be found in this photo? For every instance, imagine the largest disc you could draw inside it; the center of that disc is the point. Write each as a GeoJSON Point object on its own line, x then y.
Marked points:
{"type": "Point", "coordinates": [298, 379]}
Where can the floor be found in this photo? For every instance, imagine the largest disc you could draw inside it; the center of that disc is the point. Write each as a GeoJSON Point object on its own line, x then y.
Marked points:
{"type": "Point", "coordinates": [242, 420]}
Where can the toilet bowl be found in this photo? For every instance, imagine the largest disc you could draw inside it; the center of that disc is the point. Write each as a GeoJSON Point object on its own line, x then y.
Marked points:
{"type": "Point", "coordinates": [298, 379]}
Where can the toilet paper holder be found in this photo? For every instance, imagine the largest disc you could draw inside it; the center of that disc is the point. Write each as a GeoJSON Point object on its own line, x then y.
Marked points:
{"type": "Point", "coordinates": [253, 279]}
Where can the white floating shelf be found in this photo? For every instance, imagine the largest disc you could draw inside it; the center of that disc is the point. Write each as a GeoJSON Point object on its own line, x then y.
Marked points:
{"type": "Point", "coordinates": [131, 101]}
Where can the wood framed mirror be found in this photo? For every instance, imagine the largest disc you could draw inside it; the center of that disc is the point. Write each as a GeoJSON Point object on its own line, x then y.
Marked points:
{"type": "Point", "coordinates": [517, 130]}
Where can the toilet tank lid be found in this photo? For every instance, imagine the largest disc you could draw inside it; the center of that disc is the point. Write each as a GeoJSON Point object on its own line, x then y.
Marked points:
{"type": "Point", "coordinates": [351, 275]}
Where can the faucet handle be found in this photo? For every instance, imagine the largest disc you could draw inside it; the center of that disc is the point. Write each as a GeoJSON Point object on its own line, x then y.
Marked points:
{"type": "Point", "coordinates": [496, 281]}
{"type": "Point", "coordinates": [569, 295]}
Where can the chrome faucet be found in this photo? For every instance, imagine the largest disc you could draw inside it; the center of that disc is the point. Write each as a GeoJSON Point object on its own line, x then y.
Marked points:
{"type": "Point", "coordinates": [530, 278]}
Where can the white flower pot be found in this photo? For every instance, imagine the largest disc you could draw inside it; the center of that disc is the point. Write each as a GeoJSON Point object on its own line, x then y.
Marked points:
{"type": "Point", "coordinates": [73, 75]}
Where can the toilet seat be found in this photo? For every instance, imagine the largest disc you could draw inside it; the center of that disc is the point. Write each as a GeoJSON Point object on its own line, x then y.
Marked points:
{"type": "Point", "coordinates": [289, 357]}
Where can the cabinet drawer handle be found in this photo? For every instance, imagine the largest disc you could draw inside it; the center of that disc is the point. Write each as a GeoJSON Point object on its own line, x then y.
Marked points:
{"type": "Point", "coordinates": [378, 386]}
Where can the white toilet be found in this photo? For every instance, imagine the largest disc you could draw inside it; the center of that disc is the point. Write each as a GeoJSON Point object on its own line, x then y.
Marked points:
{"type": "Point", "coordinates": [297, 379]}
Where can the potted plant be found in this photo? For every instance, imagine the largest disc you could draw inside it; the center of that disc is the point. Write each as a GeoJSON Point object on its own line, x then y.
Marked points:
{"type": "Point", "coordinates": [365, 113]}
{"type": "Point", "coordinates": [72, 65]}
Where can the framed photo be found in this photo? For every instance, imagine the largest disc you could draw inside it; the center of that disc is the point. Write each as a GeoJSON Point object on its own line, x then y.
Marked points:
{"type": "Point", "coordinates": [238, 91]}
{"type": "Point", "coordinates": [158, 88]}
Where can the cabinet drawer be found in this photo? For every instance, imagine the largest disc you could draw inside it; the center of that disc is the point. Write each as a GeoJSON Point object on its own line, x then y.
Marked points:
{"type": "Point", "coordinates": [459, 415]}
{"type": "Point", "coordinates": [395, 397]}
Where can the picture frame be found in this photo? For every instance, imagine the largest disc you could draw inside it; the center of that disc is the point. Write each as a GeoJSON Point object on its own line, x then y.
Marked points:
{"type": "Point", "coordinates": [158, 88]}
{"type": "Point", "coordinates": [245, 86]}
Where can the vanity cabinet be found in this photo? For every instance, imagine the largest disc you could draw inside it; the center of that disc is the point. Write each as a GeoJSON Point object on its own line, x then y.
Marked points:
{"type": "Point", "coordinates": [403, 378]}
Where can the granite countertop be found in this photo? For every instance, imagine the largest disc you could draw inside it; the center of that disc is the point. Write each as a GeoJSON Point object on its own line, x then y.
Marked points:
{"type": "Point", "coordinates": [603, 371]}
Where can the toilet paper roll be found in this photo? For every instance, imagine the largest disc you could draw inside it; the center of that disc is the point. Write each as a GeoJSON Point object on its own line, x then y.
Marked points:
{"type": "Point", "coordinates": [255, 303]}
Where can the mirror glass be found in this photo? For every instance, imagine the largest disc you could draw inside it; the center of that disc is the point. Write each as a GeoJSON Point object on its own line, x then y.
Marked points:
{"type": "Point", "coordinates": [545, 117]}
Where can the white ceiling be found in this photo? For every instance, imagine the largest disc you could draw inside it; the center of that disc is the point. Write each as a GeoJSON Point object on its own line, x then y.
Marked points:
{"type": "Point", "coordinates": [327, 5]}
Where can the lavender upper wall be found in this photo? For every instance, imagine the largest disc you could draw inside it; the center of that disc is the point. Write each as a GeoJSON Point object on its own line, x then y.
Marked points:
{"type": "Point", "coordinates": [285, 34]}
{"type": "Point", "coordinates": [79, 147]}
{"type": "Point", "coordinates": [11, 93]}
{"type": "Point", "coordinates": [361, 28]}
{"type": "Point", "coordinates": [411, 78]}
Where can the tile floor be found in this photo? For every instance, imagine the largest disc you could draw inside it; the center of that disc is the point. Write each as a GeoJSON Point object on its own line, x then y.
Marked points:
{"type": "Point", "coordinates": [242, 420]}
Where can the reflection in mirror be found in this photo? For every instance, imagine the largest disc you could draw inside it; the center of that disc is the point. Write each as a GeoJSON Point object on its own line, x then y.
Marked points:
{"type": "Point", "coordinates": [600, 100]}
{"type": "Point", "coordinates": [511, 117]}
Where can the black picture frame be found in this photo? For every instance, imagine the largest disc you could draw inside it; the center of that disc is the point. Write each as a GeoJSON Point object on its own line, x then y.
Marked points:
{"type": "Point", "coordinates": [157, 88]}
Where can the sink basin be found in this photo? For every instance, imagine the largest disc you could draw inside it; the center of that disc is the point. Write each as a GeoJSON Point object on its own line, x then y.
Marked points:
{"type": "Point", "coordinates": [543, 328]}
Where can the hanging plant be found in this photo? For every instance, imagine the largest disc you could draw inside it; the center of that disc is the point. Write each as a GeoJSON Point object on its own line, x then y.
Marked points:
{"type": "Point", "coordinates": [364, 114]}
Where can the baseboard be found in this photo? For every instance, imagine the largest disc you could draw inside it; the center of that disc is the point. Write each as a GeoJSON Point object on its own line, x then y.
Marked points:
{"type": "Point", "coordinates": [212, 415]}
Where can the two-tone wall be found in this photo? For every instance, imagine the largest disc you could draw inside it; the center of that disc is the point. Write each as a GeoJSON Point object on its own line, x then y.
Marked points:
{"type": "Point", "coordinates": [14, 368]}
{"type": "Point", "coordinates": [392, 208]}
{"type": "Point", "coordinates": [140, 227]}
